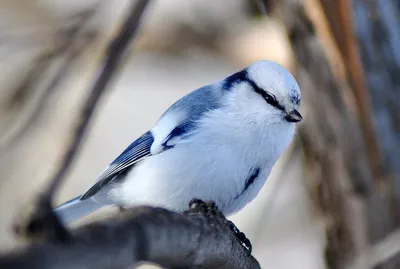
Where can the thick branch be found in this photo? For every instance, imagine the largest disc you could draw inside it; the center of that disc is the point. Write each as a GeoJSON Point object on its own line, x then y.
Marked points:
{"type": "Point", "coordinates": [198, 238]}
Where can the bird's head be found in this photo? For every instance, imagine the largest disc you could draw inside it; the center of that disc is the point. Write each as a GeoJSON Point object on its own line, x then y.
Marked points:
{"type": "Point", "coordinates": [267, 89]}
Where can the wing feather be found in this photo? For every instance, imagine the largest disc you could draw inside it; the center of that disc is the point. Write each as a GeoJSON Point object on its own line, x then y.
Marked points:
{"type": "Point", "coordinates": [193, 106]}
{"type": "Point", "coordinates": [136, 152]}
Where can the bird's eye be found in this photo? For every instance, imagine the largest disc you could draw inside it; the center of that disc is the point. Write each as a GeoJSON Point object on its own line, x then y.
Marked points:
{"type": "Point", "coordinates": [270, 98]}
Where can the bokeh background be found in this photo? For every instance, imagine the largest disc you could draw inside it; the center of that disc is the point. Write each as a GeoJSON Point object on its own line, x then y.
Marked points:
{"type": "Point", "coordinates": [333, 198]}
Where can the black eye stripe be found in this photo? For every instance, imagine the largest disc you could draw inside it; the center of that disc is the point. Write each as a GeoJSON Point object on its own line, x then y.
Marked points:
{"type": "Point", "coordinates": [242, 76]}
{"type": "Point", "coordinates": [269, 98]}
{"type": "Point", "coordinates": [234, 79]}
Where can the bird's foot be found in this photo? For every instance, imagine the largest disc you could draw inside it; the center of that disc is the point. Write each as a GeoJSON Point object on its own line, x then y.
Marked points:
{"type": "Point", "coordinates": [241, 236]}
{"type": "Point", "coordinates": [209, 207]}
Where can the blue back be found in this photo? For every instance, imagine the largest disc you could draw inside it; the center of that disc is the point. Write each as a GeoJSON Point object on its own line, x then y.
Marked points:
{"type": "Point", "coordinates": [194, 106]}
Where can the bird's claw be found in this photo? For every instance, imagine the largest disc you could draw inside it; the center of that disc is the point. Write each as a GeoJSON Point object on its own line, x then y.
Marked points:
{"type": "Point", "coordinates": [210, 208]}
{"type": "Point", "coordinates": [241, 236]}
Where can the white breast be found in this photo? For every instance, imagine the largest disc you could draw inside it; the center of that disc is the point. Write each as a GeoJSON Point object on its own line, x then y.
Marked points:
{"type": "Point", "coordinates": [212, 164]}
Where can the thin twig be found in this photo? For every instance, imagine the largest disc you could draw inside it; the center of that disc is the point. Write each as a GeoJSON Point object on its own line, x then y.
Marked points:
{"type": "Point", "coordinates": [112, 58]}
{"type": "Point", "coordinates": [70, 48]}
{"type": "Point", "coordinates": [35, 222]}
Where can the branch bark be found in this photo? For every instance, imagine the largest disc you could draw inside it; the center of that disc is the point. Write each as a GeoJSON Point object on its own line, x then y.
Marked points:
{"type": "Point", "coordinates": [198, 238]}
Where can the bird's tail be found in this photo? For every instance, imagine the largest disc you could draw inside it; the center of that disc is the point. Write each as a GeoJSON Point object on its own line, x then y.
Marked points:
{"type": "Point", "coordinates": [76, 208]}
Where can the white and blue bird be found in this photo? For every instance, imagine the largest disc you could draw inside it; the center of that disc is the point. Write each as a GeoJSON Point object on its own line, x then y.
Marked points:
{"type": "Point", "coordinates": [217, 143]}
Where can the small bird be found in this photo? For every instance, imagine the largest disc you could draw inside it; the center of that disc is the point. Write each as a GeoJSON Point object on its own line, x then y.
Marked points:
{"type": "Point", "coordinates": [217, 143]}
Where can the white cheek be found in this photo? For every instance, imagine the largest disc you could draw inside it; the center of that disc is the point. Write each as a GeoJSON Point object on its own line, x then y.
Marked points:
{"type": "Point", "coordinates": [246, 99]}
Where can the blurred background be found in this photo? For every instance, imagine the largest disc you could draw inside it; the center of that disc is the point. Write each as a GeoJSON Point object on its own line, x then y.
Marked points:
{"type": "Point", "coordinates": [333, 199]}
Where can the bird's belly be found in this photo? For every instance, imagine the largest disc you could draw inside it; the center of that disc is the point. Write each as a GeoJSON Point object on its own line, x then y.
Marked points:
{"type": "Point", "coordinates": [174, 177]}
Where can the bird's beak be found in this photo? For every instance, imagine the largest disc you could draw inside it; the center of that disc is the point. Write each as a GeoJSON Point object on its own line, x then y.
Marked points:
{"type": "Point", "coordinates": [293, 116]}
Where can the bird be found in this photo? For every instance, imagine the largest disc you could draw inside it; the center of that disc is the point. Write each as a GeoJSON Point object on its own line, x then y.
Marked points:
{"type": "Point", "coordinates": [219, 143]}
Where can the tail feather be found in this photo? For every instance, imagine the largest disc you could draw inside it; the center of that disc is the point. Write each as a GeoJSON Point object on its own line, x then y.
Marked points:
{"type": "Point", "coordinates": [76, 208]}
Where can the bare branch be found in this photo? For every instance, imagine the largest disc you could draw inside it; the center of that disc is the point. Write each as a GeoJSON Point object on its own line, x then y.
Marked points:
{"type": "Point", "coordinates": [69, 49]}
{"type": "Point", "coordinates": [39, 214]}
{"type": "Point", "coordinates": [112, 58]}
{"type": "Point", "coordinates": [198, 238]}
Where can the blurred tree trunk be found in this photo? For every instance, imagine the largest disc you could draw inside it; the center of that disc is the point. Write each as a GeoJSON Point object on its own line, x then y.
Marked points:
{"type": "Point", "coordinates": [348, 66]}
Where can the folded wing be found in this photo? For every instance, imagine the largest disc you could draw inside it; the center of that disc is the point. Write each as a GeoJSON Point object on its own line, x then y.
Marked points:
{"type": "Point", "coordinates": [136, 152]}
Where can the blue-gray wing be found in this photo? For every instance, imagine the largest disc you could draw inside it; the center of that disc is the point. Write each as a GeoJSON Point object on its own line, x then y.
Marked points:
{"type": "Point", "coordinates": [194, 106]}
{"type": "Point", "coordinates": [136, 151]}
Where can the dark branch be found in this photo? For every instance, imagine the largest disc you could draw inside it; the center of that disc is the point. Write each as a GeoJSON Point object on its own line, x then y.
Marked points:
{"type": "Point", "coordinates": [112, 58]}
{"type": "Point", "coordinates": [198, 238]}
{"type": "Point", "coordinates": [39, 214]}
